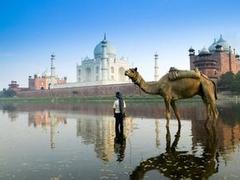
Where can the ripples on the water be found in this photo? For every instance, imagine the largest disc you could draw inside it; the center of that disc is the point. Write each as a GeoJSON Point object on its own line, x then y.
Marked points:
{"type": "Point", "coordinates": [78, 142]}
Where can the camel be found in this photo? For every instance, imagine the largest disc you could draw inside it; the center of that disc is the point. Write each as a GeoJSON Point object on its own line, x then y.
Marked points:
{"type": "Point", "coordinates": [179, 87]}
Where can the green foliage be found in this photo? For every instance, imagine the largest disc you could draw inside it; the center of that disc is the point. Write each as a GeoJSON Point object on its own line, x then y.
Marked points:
{"type": "Point", "coordinates": [7, 93]}
{"type": "Point", "coordinates": [229, 82]}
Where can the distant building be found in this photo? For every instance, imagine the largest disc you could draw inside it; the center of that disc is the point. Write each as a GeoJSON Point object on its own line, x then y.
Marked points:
{"type": "Point", "coordinates": [218, 59]}
{"type": "Point", "coordinates": [46, 81]}
{"type": "Point", "coordinates": [15, 87]}
{"type": "Point", "coordinates": [104, 68]}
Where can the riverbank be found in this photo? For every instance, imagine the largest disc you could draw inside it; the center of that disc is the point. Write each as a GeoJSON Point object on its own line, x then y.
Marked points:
{"type": "Point", "coordinates": [79, 99]}
{"type": "Point", "coordinates": [99, 99]}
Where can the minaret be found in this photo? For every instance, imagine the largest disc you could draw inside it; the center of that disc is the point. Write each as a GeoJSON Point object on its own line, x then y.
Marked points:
{"type": "Point", "coordinates": [104, 59]}
{"type": "Point", "coordinates": [156, 68]}
{"type": "Point", "coordinates": [230, 58]}
{"type": "Point", "coordinates": [52, 65]}
{"type": "Point", "coordinates": [192, 57]}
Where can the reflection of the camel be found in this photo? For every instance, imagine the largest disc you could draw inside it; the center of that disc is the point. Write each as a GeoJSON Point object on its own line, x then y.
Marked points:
{"type": "Point", "coordinates": [177, 164]}
{"type": "Point", "coordinates": [95, 124]}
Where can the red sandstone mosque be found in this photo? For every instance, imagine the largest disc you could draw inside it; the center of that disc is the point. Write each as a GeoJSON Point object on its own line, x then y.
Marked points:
{"type": "Point", "coordinates": [46, 80]}
{"type": "Point", "coordinates": [218, 59]}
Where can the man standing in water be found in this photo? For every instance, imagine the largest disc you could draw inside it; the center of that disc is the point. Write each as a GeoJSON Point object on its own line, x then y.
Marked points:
{"type": "Point", "coordinates": [119, 107]}
{"type": "Point", "coordinates": [119, 114]}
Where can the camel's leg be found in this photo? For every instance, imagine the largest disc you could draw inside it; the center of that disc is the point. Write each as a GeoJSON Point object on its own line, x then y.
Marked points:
{"type": "Point", "coordinates": [167, 112]}
{"type": "Point", "coordinates": [207, 110]}
{"type": "Point", "coordinates": [210, 100]}
{"type": "Point", "coordinates": [176, 112]}
{"type": "Point", "coordinates": [213, 108]}
{"type": "Point", "coordinates": [212, 111]}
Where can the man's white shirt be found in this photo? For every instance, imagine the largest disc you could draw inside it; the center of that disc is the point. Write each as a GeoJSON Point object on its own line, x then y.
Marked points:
{"type": "Point", "coordinates": [117, 107]}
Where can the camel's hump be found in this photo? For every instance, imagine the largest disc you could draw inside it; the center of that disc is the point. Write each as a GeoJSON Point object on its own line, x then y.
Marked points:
{"type": "Point", "coordinates": [175, 74]}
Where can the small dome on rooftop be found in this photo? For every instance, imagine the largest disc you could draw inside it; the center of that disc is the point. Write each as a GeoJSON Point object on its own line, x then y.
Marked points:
{"type": "Point", "coordinates": [191, 49]}
{"type": "Point", "coordinates": [204, 51]}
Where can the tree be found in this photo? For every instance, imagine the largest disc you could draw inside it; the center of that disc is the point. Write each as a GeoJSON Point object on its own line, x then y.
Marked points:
{"type": "Point", "coordinates": [226, 81]}
{"type": "Point", "coordinates": [229, 82]}
{"type": "Point", "coordinates": [8, 93]}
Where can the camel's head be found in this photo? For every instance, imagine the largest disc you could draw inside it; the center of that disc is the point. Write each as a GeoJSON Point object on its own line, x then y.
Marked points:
{"type": "Point", "coordinates": [132, 74]}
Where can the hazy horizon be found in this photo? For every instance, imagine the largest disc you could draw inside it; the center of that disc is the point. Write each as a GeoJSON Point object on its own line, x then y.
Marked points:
{"type": "Point", "coordinates": [31, 30]}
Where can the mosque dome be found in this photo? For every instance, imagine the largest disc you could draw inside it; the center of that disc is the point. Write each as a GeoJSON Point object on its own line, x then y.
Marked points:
{"type": "Point", "coordinates": [223, 43]}
{"type": "Point", "coordinates": [212, 47]}
{"type": "Point", "coordinates": [98, 50]}
{"type": "Point", "coordinates": [204, 51]}
{"type": "Point", "coordinates": [220, 43]}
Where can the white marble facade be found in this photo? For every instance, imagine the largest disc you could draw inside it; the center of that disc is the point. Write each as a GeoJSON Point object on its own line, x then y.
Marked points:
{"type": "Point", "coordinates": [104, 68]}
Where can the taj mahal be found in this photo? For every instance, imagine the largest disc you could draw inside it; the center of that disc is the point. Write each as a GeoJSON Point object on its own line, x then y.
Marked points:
{"type": "Point", "coordinates": [105, 68]}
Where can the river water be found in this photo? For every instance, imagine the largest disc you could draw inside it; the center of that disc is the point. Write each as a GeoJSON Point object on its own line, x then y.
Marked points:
{"type": "Point", "coordinates": [78, 141]}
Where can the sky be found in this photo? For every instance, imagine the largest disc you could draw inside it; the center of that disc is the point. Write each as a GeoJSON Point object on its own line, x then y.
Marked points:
{"type": "Point", "coordinates": [30, 30]}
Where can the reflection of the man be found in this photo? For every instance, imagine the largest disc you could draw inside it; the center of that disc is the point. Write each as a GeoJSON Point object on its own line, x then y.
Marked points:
{"type": "Point", "coordinates": [177, 164]}
{"type": "Point", "coordinates": [100, 131]}
{"type": "Point", "coordinates": [119, 142]}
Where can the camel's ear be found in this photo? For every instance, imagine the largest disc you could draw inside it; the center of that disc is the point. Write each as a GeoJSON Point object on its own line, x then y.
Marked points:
{"type": "Point", "coordinates": [135, 69]}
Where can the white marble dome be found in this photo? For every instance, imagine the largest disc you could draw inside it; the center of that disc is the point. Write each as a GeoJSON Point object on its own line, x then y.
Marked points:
{"type": "Point", "coordinates": [98, 50]}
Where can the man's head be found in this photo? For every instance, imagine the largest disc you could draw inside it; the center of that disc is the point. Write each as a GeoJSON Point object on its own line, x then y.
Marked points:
{"type": "Point", "coordinates": [118, 95]}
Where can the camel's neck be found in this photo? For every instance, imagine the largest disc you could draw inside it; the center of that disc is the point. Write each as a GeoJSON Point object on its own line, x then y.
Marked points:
{"type": "Point", "coordinates": [149, 88]}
